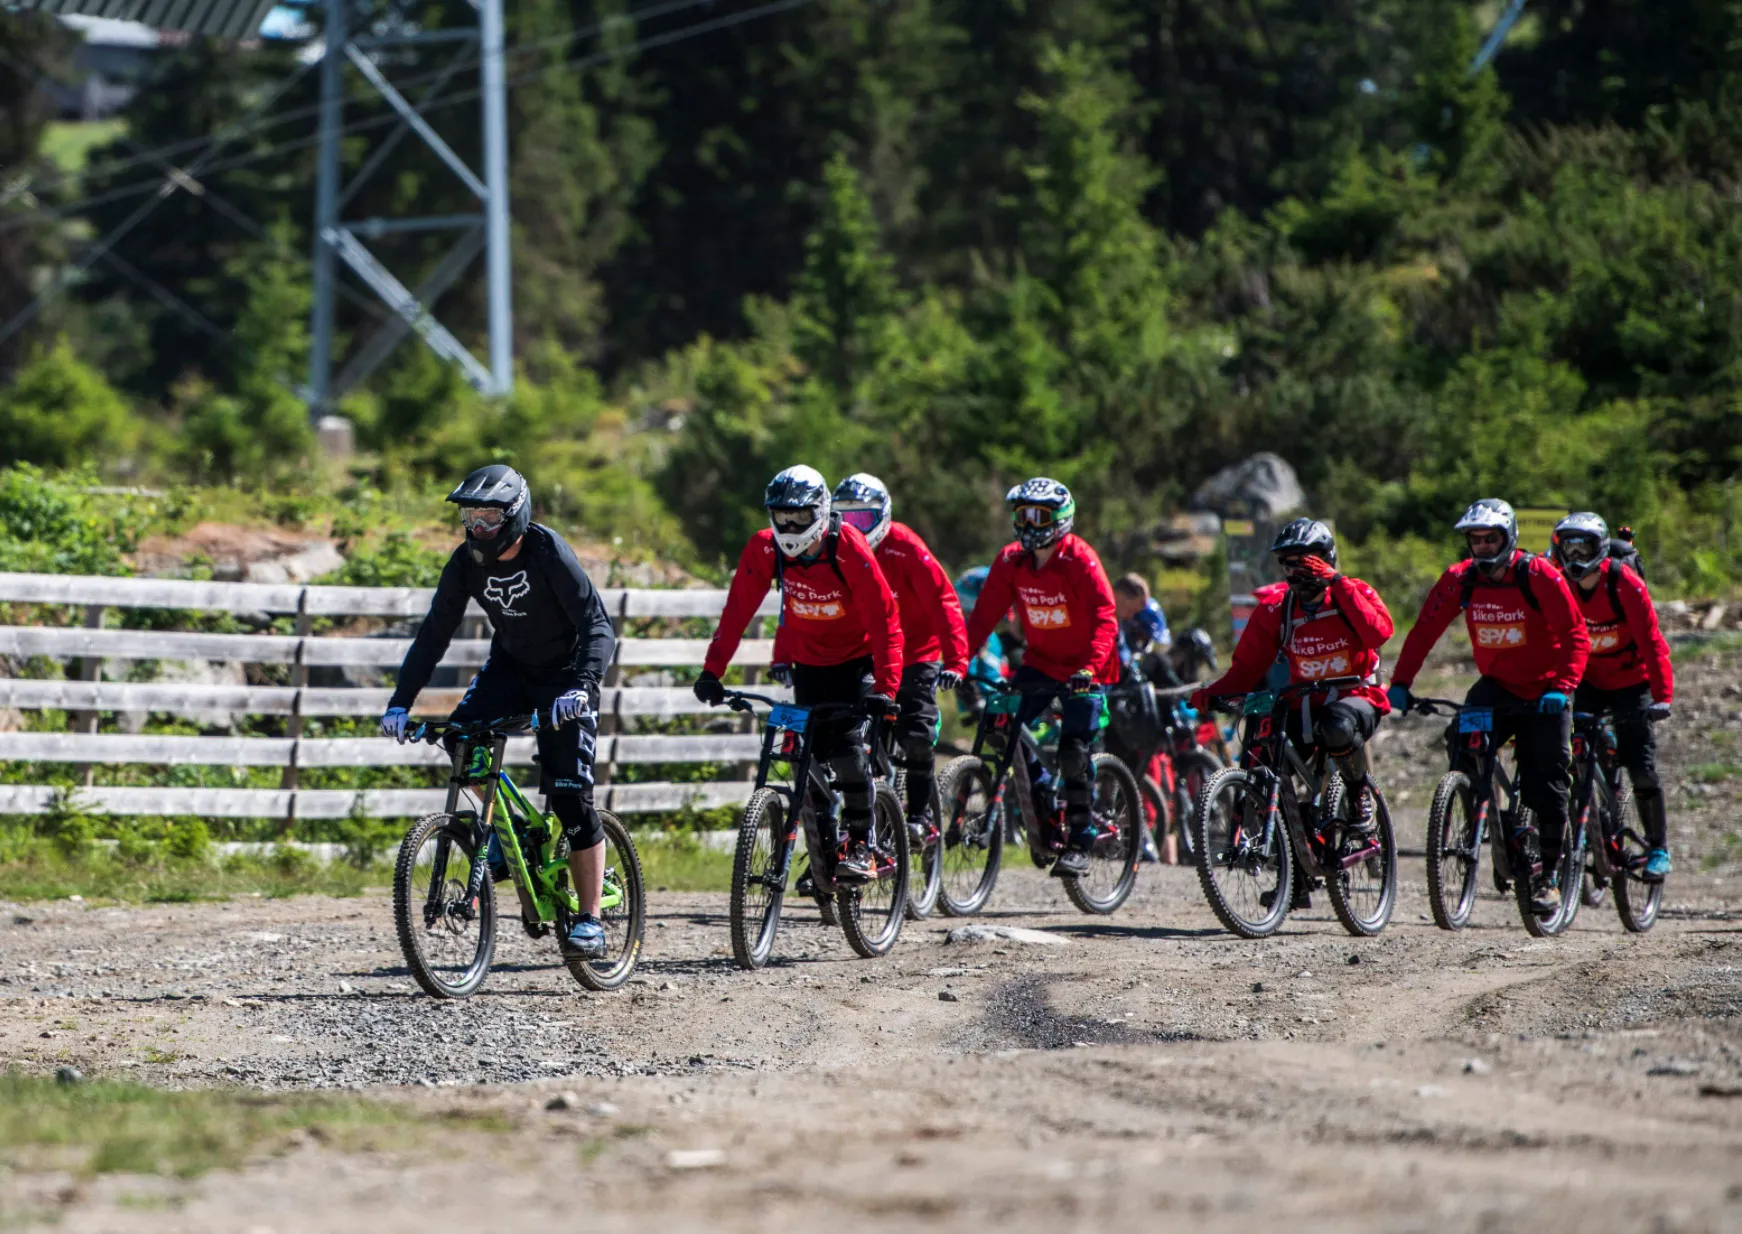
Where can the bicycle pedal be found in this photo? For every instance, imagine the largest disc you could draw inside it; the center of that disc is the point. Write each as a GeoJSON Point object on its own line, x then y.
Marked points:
{"type": "Point", "coordinates": [1359, 855]}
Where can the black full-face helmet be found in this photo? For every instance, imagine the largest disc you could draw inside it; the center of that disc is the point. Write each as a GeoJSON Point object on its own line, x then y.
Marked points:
{"type": "Point", "coordinates": [496, 509]}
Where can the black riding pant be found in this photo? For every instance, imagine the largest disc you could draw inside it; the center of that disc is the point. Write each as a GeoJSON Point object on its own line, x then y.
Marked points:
{"type": "Point", "coordinates": [839, 740]}
{"type": "Point", "coordinates": [1340, 728]}
{"type": "Point", "coordinates": [916, 731]}
{"type": "Point", "coordinates": [1080, 721]}
{"type": "Point", "coordinates": [1545, 758]}
{"type": "Point", "coordinates": [1635, 747]}
{"type": "Point", "coordinates": [565, 755]}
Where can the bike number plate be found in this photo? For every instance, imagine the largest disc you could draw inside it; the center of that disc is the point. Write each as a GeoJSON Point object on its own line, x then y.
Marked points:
{"type": "Point", "coordinates": [1476, 720]}
{"type": "Point", "coordinates": [792, 719]}
{"type": "Point", "coordinates": [1003, 704]}
{"type": "Point", "coordinates": [1260, 704]}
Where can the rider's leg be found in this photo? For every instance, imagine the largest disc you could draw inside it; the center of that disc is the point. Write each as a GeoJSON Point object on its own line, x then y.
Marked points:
{"type": "Point", "coordinates": [496, 691]}
{"type": "Point", "coordinates": [1343, 728]}
{"type": "Point", "coordinates": [1081, 721]}
{"type": "Point", "coordinates": [565, 761]}
{"type": "Point", "coordinates": [840, 740]}
{"type": "Point", "coordinates": [1545, 767]}
{"type": "Point", "coordinates": [916, 733]}
{"type": "Point", "coordinates": [1636, 748]}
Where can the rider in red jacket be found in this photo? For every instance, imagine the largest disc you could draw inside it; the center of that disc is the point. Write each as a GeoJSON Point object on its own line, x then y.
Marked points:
{"type": "Point", "coordinates": [1629, 674]}
{"type": "Point", "coordinates": [1064, 605]}
{"type": "Point", "coordinates": [1531, 648]}
{"type": "Point", "coordinates": [1322, 625]}
{"type": "Point", "coordinates": [933, 636]}
{"type": "Point", "coordinates": [839, 633]}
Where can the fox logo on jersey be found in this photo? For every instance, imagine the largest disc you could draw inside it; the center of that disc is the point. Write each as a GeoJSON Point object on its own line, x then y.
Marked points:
{"type": "Point", "coordinates": [506, 590]}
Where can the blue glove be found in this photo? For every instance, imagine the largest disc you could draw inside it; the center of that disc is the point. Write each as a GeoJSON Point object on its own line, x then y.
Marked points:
{"type": "Point", "coordinates": [1553, 703]}
{"type": "Point", "coordinates": [569, 706]}
{"type": "Point", "coordinates": [1400, 698]}
{"type": "Point", "coordinates": [394, 722]}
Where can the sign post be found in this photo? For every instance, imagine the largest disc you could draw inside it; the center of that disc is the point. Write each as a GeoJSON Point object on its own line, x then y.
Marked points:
{"type": "Point", "coordinates": [1536, 529]}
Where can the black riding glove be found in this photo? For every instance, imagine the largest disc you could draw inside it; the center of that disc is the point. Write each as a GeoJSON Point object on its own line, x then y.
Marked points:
{"type": "Point", "coordinates": [709, 690]}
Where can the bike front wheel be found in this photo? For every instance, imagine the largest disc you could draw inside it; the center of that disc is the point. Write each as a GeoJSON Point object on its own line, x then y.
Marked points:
{"type": "Point", "coordinates": [971, 846]}
{"type": "Point", "coordinates": [1118, 814]}
{"type": "Point", "coordinates": [871, 913]}
{"type": "Point", "coordinates": [926, 851]}
{"type": "Point", "coordinates": [757, 885]}
{"type": "Point", "coordinates": [1191, 772]}
{"type": "Point", "coordinates": [1569, 870]}
{"type": "Point", "coordinates": [1454, 852]}
{"type": "Point", "coordinates": [1636, 900]}
{"type": "Point", "coordinates": [1364, 894]}
{"type": "Point", "coordinates": [1248, 888]}
{"type": "Point", "coordinates": [447, 937]}
{"type": "Point", "coordinates": [622, 911]}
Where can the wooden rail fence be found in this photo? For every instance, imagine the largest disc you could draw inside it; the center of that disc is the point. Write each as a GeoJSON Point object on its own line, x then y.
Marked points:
{"type": "Point", "coordinates": [85, 647]}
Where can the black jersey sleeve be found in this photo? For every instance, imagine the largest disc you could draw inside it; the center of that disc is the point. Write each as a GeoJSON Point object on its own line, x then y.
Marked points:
{"type": "Point", "coordinates": [437, 631]}
{"type": "Point", "coordinates": [595, 640]}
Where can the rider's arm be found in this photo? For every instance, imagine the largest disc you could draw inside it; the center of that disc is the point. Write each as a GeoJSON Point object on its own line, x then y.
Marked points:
{"type": "Point", "coordinates": [874, 601]}
{"type": "Point", "coordinates": [581, 603]}
{"type": "Point", "coordinates": [997, 594]}
{"type": "Point", "coordinates": [1367, 614]}
{"type": "Point", "coordinates": [941, 594]}
{"type": "Point", "coordinates": [1641, 615]}
{"type": "Point", "coordinates": [1437, 612]}
{"type": "Point", "coordinates": [1253, 655]}
{"type": "Point", "coordinates": [749, 586]}
{"type": "Point", "coordinates": [433, 636]}
{"type": "Point", "coordinates": [1562, 613]}
{"type": "Point", "coordinates": [1097, 598]}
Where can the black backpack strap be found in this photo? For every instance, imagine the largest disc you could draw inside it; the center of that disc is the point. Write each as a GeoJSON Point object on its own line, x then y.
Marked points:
{"type": "Point", "coordinates": [1614, 586]}
{"type": "Point", "coordinates": [831, 553]}
{"type": "Point", "coordinates": [1520, 573]}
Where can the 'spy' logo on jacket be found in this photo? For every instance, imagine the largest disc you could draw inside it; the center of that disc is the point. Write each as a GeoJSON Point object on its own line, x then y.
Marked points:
{"type": "Point", "coordinates": [1321, 646]}
{"type": "Point", "coordinates": [1498, 625]}
{"type": "Point", "coordinates": [505, 590]}
{"type": "Point", "coordinates": [1044, 608]}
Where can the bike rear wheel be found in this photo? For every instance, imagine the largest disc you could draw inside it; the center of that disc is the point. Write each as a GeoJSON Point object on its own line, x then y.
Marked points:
{"type": "Point", "coordinates": [1364, 894]}
{"type": "Point", "coordinates": [1454, 856]}
{"type": "Point", "coordinates": [871, 913]}
{"type": "Point", "coordinates": [624, 914]}
{"type": "Point", "coordinates": [1236, 875]}
{"type": "Point", "coordinates": [928, 872]}
{"type": "Point", "coordinates": [1636, 900]}
{"type": "Point", "coordinates": [1118, 814]}
{"type": "Point", "coordinates": [971, 848]}
{"type": "Point", "coordinates": [757, 888]}
{"type": "Point", "coordinates": [448, 940]}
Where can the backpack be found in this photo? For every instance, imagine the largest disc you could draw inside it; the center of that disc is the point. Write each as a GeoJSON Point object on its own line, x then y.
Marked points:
{"type": "Point", "coordinates": [1622, 555]}
{"type": "Point", "coordinates": [1520, 575]}
{"type": "Point", "coordinates": [831, 554]}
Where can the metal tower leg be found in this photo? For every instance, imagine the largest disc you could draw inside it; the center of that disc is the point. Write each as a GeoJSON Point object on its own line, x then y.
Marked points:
{"type": "Point", "coordinates": [499, 271]}
{"type": "Point", "coordinates": [320, 366]}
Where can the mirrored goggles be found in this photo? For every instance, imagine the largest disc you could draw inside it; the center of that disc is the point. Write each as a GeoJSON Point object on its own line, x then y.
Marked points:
{"type": "Point", "coordinates": [1034, 516]}
{"type": "Point", "coordinates": [483, 520]}
{"type": "Point", "coordinates": [864, 520]}
{"type": "Point", "coordinates": [1578, 549]}
{"type": "Point", "coordinates": [792, 522]}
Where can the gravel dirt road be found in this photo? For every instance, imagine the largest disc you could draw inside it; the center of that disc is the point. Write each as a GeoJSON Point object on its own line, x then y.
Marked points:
{"type": "Point", "coordinates": [1146, 1071]}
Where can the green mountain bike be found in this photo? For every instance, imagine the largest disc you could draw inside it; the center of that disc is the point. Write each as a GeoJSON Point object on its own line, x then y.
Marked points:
{"type": "Point", "coordinates": [444, 899]}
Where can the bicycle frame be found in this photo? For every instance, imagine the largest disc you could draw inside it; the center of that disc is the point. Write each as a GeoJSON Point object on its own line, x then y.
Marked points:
{"type": "Point", "coordinates": [1489, 772]}
{"type": "Point", "coordinates": [800, 722]}
{"type": "Point", "coordinates": [1005, 701]}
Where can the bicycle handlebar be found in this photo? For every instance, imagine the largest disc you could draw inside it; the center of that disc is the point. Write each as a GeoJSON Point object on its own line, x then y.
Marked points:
{"type": "Point", "coordinates": [1225, 703]}
{"type": "Point", "coordinates": [433, 731]}
{"type": "Point", "coordinates": [740, 700]}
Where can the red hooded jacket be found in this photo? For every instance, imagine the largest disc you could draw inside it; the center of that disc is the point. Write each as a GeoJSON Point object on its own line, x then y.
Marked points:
{"type": "Point", "coordinates": [1065, 609]}
{"type": "Point", "coordinates": [1627, 647]}
{"type": "Point", "coordinates": [931, 615]}
{"type": "Point", "coordinates": [1528, 649]}
{"type": "Point", "coordinates": [825, 618]}
{"type": "Point", "coordinates": [1342, 639]}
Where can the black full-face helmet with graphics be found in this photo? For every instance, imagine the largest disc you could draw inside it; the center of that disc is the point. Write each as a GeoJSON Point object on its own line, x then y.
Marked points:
{"type": "Point", "coordinates": [1042, 510]}
{"type": "Point", "coordinates": [495, 508]}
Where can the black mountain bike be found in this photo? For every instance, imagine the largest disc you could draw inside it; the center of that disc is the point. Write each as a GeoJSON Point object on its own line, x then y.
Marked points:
{"type": "Point", "coordinates": [444, 901]}
{"type": "Point", "coordinates": [1602, 802]}
{"type": "Point", "coordinates": [1466, 803]}
{"type": "Point", "coordinates": [1256, 834]}
{"type": "Point", "coordinates": [984, 799]}
{"type": "Point", "coordinates": [924, 849]}
{"type": "Point", "coordinates": [871, 913]}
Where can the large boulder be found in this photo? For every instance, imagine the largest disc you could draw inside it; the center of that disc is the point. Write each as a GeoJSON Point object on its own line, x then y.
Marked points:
{"type": "Point", "coordinates": [1260, 487]}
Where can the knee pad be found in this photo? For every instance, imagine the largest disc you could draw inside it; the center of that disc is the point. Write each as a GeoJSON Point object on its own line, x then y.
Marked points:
{"type": "Point", "coordinates": [1074, 761]}
{"type": "Point", "coordinates": [1335, 732]}
{"type": "Point", "coordinates": [580, 821]}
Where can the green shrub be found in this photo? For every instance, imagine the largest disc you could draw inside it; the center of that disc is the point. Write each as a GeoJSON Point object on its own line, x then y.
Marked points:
{"type": "Point", "coordinates": [60, 412]}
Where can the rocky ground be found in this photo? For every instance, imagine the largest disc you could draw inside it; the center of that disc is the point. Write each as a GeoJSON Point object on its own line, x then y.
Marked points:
{"type": "Point", "coordinates": [1134, 1070]}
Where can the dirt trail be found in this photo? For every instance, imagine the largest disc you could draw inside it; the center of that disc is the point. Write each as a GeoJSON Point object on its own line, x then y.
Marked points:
{"type": "Point", "coordinates": [1151, 1066]}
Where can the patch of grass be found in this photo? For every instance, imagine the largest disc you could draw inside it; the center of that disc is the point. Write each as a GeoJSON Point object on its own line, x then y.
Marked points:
{"type": "Point", "coordinates": [1727, 851]}
{"type": "Point", "coordinates": [68, 143]}
{"type": "Point", "coordinates": [1714, 773]}
{"type": "Point", "coordinates": [102, 1126]}
{"type": "Point", "coordinates": [35, 867]}
{"type": "Point", "coordinates": [679, 861]}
